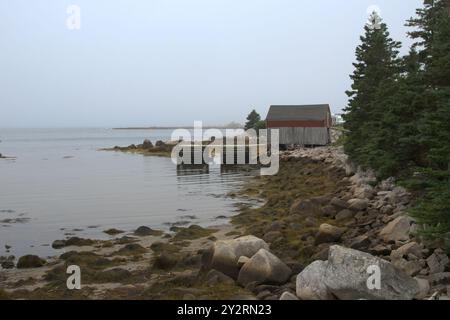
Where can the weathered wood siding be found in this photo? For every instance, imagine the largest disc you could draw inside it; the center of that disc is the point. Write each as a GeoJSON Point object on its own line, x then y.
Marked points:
{"type": "Point", "coordinates": [304, 136]}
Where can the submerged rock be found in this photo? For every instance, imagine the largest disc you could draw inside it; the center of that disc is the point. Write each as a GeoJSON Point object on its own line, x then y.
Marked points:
{"type": "Point", "coordinates": [264, 267]}
{"type": "Point", "coordinates": [113, 231]}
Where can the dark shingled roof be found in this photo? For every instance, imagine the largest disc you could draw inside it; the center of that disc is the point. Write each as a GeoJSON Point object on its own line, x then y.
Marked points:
{"type": "Point", "coordinates": [305, 112]}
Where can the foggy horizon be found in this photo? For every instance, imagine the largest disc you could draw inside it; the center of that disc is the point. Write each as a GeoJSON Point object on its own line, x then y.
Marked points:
{"type": "Point", "coordinates": [170, 63]}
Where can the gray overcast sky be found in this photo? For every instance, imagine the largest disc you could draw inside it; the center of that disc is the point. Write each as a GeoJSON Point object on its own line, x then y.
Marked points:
{"type": "Point", "coordinates": [170, 62]}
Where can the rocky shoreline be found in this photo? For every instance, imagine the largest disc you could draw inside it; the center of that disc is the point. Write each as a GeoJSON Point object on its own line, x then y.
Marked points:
{"type": "Point", "coordinates": [324, 224]}
{"type": "Point", "coordinates": [379, 232]}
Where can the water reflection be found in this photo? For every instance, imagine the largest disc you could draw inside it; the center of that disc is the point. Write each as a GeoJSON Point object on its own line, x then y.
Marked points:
{"type": "Point", "coordinates": [192, 169]}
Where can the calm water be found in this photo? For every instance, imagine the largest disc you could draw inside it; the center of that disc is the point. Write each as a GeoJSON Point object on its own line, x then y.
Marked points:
{"type": "Point", "coordinates": [60, 184]}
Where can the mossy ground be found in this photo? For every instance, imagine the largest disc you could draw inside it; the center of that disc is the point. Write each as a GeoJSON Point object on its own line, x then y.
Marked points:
{"type": "Point", "coordinates": [296, 179]}
{"type": "Point", "coordinates": [191, 233]}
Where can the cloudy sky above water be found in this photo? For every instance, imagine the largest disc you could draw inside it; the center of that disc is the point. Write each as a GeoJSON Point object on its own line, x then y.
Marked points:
{"type": "Point", "coordinates": [170, 62]}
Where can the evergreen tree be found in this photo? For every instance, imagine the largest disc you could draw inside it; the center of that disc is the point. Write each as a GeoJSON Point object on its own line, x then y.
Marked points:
{"type": "Point", "coordinates": [402, 103]}
{"type": "Point", "coordinates": [432, 37]}
{"type": "Point", "coordinates": [398, 117]}
{"type": "Point", "coordinates": [376, 73]}
{"type": "Point", "coordinates": [253, 119]}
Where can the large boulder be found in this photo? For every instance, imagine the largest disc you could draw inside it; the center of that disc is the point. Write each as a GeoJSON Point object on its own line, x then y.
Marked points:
{"type": "Point", "coordinates": [310, 283]}
{"type": "Point", "coordinates": [397, 230]}
{"type": "Point", "coordinates": [328, 233]}
{"type": "Point", "coordinates": [264, 268]}
{"type": "Point", "coordinates": [224, 255]}
{"type": "Point", "coordinates": [346, 276]}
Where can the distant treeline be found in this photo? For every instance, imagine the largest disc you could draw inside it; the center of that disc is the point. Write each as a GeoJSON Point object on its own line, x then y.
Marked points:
{"type": "Point", "coordinates": [398, 117]}
{"type": "Point", "coordinates": [180, 127]}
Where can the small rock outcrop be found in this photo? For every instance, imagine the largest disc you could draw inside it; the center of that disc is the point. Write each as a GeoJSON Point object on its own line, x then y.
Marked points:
{"type": "Point", "coordinates": [58, 244]}
{"type": "Point", "coordinates": [147, 144]}
{"type": "Point", "coordinates": [30, 261]}
{"type": "Point", "coordinates": [7, 262]}
{"type": "Point", "coordinates": [144, 231]}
